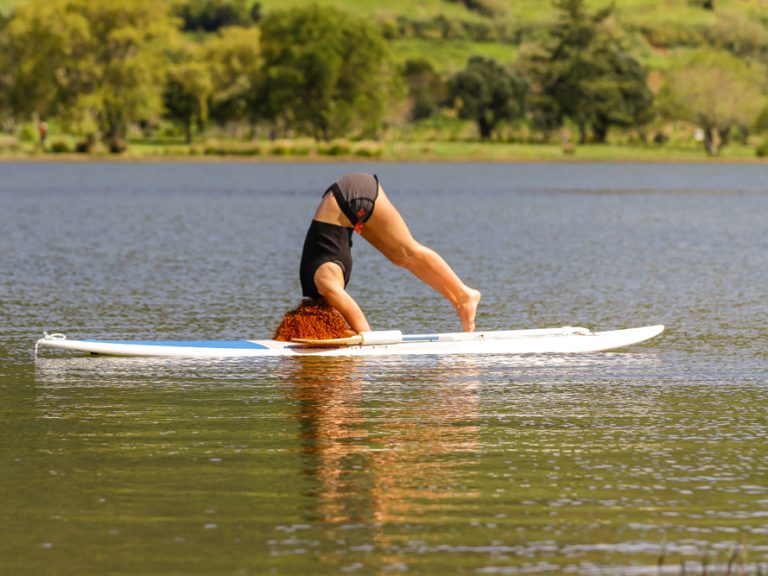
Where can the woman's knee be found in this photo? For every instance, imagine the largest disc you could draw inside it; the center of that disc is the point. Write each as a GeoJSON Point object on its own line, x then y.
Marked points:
{"type": "Point", "coordinates": [408, 255]}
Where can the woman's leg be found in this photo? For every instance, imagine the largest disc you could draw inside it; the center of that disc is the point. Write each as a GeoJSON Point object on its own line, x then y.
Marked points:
{"type": "Point", "coordinates": [329, 280]}
{"type": "Point", "coordinates": [387, 232]}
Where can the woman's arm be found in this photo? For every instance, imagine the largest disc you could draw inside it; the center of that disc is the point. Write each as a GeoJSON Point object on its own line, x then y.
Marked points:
{"type": "Point", "coordinates": [329, 280]}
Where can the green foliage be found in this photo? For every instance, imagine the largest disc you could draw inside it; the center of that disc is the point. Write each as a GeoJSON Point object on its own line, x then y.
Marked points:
{"type": "Point", "coordinates": [96, 63]}
{"type": "Point", "coordinates": [60, 147]}
{"type": "Point", "coordinates": [487, 93]}
{"type": "Point", "coordinates": [187, 90]}
{"type": "Point", "coordinates": [232, 149]}
{"type": "Point", "coordinates": [213, 15]}
{"type": "Point", "coordinates": [426, 88]}
{"type": "Point", "coordinates": [99, 66]}
{"type": "Point", "coordinates": [488, 8]}
{"type": "Point", "coordinates": [440, 27]}
{"type": "Point", "coordinates": [28, 133]}
{"type": "Point", "coordinates": [739, 35]}
{"type": "Point", "coordinates": [587, 76]}
{"type": "Point", "coordinates": [717, 92]}
{"type": "Point", "coordinates": [328, 73]}
{"type": "Point", "coordinates": [762, 150]}
{"type": "Point", "coordinates": [237, 73]}
{"type": "Point", "coordinates": [761, 124]}
{"type": "Point", "coordinates": [447, 58]}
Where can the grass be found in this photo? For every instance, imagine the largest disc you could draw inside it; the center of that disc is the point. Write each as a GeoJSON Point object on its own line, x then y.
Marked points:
{"type": "Point", "coordinates": [450, 57]}
{"type": "Point", "coordinates": [306, 149]}
{"type": "Point", "coordinates": [535, 12]}
{"type": "Point", "coordinates": [423, 9]}
{"type": "Point", "coordinates": [512, 152]}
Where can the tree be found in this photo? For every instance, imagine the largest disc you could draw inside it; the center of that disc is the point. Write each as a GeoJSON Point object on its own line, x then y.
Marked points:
{"type": "Point", "coordinates": [213, 15]}
{"type": "Point", "coordinates": [717, 92]}
{"type": "Point", "coordinates": [99, 64]}
{"type": "Point", "coordinates": [5, 79]}
{"type": "Point", "coordinates": [620, 93]}
{"type": "Point", "coordinates": [236, 70]}
{"type": "Point", "coordinates": [187, 91]}
{"type": "Point", "coordinates": [426, 89]}
{"type": "Point", "coordinates": [587, 76]}
{"type": "Point", "coordinates": [327, 72]}
{"type": "Point", "coordinates": [488, 94]}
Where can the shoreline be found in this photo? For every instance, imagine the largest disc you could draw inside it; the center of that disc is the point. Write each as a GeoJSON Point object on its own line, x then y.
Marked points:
{"type": "Point", "coordinates": [234, 159]}
{"type": "Point", "coordinates": [399, 151]}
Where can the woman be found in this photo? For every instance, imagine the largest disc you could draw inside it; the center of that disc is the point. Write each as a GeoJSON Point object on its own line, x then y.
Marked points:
{"type": "Point", "coordinates": [357, 202]}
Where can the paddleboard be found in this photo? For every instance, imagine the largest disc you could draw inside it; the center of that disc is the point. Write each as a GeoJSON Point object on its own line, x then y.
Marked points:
{"type": "Point", "coordinates": [565, 340]}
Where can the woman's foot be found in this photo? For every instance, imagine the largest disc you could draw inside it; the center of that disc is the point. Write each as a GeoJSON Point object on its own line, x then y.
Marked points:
{"type": "Point", "coordinates": [467, 309]}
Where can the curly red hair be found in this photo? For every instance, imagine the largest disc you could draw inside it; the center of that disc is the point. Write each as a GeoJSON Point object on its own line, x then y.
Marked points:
{"type": "Point", "coordinates": [312, 319]}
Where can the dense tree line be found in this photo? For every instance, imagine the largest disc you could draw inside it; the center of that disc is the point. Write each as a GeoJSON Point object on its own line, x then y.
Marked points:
{"type": "Point", "coordinates": [100, 66]}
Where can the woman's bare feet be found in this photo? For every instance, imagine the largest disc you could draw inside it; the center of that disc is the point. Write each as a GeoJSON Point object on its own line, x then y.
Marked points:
{"type": "Point", "coordinates": [467, 308]}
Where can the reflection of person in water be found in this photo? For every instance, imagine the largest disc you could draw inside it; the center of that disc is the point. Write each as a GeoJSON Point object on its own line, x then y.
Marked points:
{"type": "Point", "coordinates": [380, 462]}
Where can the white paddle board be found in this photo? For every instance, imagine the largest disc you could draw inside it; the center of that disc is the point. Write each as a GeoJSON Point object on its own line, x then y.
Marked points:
{"type": "Point", "coordinates": [565, 340]}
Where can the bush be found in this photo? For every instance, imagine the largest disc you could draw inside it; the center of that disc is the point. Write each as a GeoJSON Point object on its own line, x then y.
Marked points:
{"type": "Point", "coordinates": [59, 147]}
{"type": "Point", "coordinates": [672, 35]}
{"type": "Point", "coordinates": [368, 150]}
{"type": "Point", "coordinates": [27, 133]}
{"type": "Point", "coordinates": [9, 144]}
{"type": "Point", "coordinates": [336, 148]}
{"type": "Point", "coordinates": [117, 145]}
{"type": "Point", "coordinates": [84, 146]}
{"type": "Point", "coordinates": [231, 149]}
{"type": "Point", "coordinates": [738, 35]}
{"type": "Point", "coordinates": [290, 148]}
{"type": "Point", "coordinates": [212, 15]}
{"type": "Point", "coordinates": [762, 150]}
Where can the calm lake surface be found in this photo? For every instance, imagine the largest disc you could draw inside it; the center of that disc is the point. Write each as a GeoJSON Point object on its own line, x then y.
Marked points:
{"type": "Point", "coordinates": [649, 460]}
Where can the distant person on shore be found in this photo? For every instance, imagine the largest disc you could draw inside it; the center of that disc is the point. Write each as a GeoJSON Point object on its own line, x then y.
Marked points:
{"type": "Point", "coordinates": [42, 130]}
{"type": "Point", "coordinates": [357, 203]}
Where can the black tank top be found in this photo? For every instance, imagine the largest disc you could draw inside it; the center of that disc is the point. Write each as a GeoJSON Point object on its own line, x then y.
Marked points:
{"type": "Point", "coordinates": [324, 243]}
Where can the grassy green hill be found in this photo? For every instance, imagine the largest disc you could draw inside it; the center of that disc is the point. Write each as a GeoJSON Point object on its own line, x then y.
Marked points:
{"type": "Point", "coordinates": [447, 32]}
{"type": "Point", "coordinates": [657, 28]}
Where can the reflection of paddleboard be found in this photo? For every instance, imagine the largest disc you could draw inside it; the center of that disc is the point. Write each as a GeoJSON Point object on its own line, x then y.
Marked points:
{"type": "Point", "coordinates": [564, 340]}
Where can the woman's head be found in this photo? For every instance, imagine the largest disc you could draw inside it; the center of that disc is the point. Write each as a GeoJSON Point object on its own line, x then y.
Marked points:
{"type": "Point", "coordinates": [312, 319]}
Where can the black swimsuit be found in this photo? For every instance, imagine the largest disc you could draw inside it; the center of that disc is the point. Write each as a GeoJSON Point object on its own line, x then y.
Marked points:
{"type": "Point", "coordinates": [356, 195]}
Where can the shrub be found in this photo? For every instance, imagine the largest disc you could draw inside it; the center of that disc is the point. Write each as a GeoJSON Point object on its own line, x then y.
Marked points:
{"type": "Point", "coordinates": [291, 148]}
{"type": "Point", "coordinates": [231, 149]}
{"type": "Point", "coordinates": [59, 147]}
{"type": "Point", "coordinates": [368, 150]}
{"type": "Point", "coordinates": [27, 133]}
{"type": "Point", "coordinates": [117, 145]}
{"type": "Point", "coordinates": [336, 148]}
{"type": "Point", "coordinates": [212, 15]}
{"type": "Point", "coordinates": [762, 150]}
{"type": "Point", "coordinates": [9, 144]}
{"type": "Point", "coordinates": [84, 146]}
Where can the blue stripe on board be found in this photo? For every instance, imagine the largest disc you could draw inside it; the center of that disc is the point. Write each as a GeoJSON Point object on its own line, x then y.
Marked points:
{"type": "Point", "coordinates": [188, 343]}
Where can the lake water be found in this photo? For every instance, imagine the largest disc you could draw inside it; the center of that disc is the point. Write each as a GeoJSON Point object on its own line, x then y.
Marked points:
{"type": "Point", "coordinates": [645, 461]}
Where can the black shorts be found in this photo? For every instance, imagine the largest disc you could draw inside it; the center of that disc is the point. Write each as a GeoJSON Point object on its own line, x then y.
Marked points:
{"type": "Point", "coordinates": [356, 195]}
{"type": "Point", "coordinates": [324, 243]}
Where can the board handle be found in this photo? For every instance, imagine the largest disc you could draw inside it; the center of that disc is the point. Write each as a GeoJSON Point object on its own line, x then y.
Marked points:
{"type": "Point", "coordinates": [363, 339]}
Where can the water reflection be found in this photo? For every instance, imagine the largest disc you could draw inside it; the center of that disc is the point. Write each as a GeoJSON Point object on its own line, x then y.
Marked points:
{"type": "Point", "coordinates": [386, 456]}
